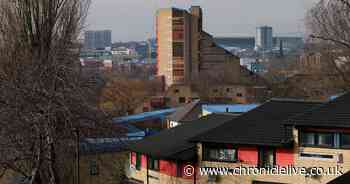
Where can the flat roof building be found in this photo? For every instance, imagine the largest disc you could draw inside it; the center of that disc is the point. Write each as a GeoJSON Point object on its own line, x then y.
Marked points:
{"type": "Point", "coordinates": [99, 39]}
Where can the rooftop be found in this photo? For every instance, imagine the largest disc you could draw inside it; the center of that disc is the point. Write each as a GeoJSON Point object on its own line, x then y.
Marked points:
{"type": "Point", "coordinates": [144, 116]}
{"type": "Point", "coordinates": [335, 113]}
{"type": "Point", "coordinates": [174, 143]}
{"type": "Point", "coordinates": [184, 113]}
{"type": "Point", "coordinates": [263, 125]}
{"type": "Point", "coordinates": [235, 108]}
{"type": "Point", "coordinates": [345, 178]}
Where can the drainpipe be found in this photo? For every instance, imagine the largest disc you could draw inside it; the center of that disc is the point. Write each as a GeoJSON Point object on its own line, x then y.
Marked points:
{"type": "Point", "coordinates": [147, 168]}
{"type": "Point", "coordinates": [195, 174]}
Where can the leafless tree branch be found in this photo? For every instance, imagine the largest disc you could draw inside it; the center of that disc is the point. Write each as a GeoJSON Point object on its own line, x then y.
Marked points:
{"type": "Point", "coordinates": [43, 96]}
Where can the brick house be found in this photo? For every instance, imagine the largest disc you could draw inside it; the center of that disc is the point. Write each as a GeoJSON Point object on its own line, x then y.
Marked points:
{"type": "Point", "coordinates": [278, 133]}
{"type": "Point", "coordinates": [161, 158]}
{"type": "Point", "coordinates": [301, 134]}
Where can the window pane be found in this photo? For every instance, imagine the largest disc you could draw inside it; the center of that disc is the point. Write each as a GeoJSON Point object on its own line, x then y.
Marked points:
{"type": "Point", "coordinates": [345, 140]}
{"type": "Point", "coordinates": [156, 165]}
{"type": "Point", "coordinates": [93, 168]}
{"type": "Point", "coordinates": [153, 164]}
{"type": "Point", "coordinates": [178, 35]}
{"type": "Point", "coordinates": [222, 154]}
{"type": "Point", "coordinates": [177, 13]}
{"type": "Point", "coordinates": [270, 158]}
{"type": "Point", "coordinates": [231, 154]}
{"type": "Point", "coordinates": [182, 100]}
{"type": "Point", "coordinates": [213, 154]}
{"type": "Point", "coordinates": [138, 161]}
{"type": "Point", "coordinates": [179, 72]}
{"type": "Point", "coordinates": [325, 139]}
{"type": "Point", "coordinates": [178, 49]}
{"type": "Point", "coordinates": [266, 157]}
{"type": "Point", "coordinates": [307, 138]}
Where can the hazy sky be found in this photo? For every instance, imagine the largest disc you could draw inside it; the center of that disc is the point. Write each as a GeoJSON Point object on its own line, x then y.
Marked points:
{"type": "Point", "coordinates": [135, 19]}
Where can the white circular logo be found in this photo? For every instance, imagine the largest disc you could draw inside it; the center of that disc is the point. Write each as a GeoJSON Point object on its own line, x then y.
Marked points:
{"type": "Point", "coordinates": [188, 170]}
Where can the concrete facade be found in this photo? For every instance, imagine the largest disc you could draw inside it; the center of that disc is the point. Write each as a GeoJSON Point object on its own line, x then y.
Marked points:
{"type": "Point", "coordinates": [182, 94]}
{"type": "Point", "coordinates": [186, 51]}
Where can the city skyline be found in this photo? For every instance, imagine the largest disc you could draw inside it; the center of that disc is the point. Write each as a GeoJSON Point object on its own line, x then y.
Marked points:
{"type": "Point", "coordinates": [134, 20]}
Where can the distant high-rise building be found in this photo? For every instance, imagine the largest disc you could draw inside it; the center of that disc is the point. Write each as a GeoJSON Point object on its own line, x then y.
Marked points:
{"type": "Point", "coordinates": [185, 50]}
{"type": "Point", "coordinates": [264, 38]}
{"type": "Point", "coordinates": [98, 39]}
{"type": "Point", "coordinates": [174, 42]}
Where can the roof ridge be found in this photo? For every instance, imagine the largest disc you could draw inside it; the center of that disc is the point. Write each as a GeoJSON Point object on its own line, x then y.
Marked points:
{"type": "Point", "coordinates": [290, 120]}
{"type": "Point", "coordinates": [296, 100]}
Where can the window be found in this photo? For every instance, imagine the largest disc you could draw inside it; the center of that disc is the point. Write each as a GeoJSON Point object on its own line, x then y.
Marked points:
{"type": "Point", "coordinates": [177, 13]}
{"type": "Point", "coordinates": [179, 66]}
{"type": "Point", "coordinates": [325, 139]}
{"type": "Point", "coordinates": [239, 95]}
{"type": "Point", "coordinates": [178, 49]}
{"type": "Point", "coordinates": [313, 155]}
{"type": "Point", "coordinates": [182, 100]}
{"type": "Point", "coordinates": [178, 35]}
{"type": "Point", "coordinates": [266, 157]}
{"type": "Point", "coordinates": [307, 139]}
{"type": "Point", "coordinates": [215, 90]}
{"type": "Point", "coordinates": [220, 153]}
{"type": "Point", "coordinates": [93, 168]}
{"type": "Point", "coordinates": [138, 161]}
{"type": "Point", "coordinates": [317, 139]}
{"type": "Point", "coordinates": [176, 91]}
{"type": "Point", "coordinates": [345, 140]}
{"type": "Point", "coordinates": [179, 72]}
{"type": "Point", "coordinates": [153, 164]}
{"type": "Point", "coordinates": [227, 89]}
{"type": "Point", "coordinates": [145, 109]}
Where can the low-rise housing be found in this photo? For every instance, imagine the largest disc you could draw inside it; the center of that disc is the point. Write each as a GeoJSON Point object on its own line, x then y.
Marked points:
{"type": "Point", "coordinates": [277, 134]}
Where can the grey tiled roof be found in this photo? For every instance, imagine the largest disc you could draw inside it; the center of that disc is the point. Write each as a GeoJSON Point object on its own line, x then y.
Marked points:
{"type": "Point", "coordinates": [174, 143]}
{"type": "Point", "coordinates": [335, 113]}
{"type": "Point", "coordinates": [263, 125]}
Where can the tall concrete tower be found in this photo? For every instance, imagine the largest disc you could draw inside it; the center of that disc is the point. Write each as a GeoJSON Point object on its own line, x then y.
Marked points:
{"type": "Point", "coordinates": [178, 35]}
{"type": "Point", "coordinates": [264, 38]}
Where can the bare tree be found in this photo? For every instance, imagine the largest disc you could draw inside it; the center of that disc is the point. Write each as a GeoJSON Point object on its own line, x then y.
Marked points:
{"type": "Point", "coordinates": [122, 95]}
{"type": "Point", "coordinates": [43, 99]}
{"type": "Point", "coordinates": [329, 22]}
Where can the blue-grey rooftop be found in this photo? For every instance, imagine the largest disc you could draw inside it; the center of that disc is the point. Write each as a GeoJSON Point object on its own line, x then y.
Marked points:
{"type": "Point", "coordinates": [144, 116]}
{"type": "Point", "coordinates": [234, 108]}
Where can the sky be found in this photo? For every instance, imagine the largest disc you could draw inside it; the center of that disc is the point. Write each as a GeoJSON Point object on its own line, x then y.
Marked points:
{"type": "Point", "coordinates": [134, 20]}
